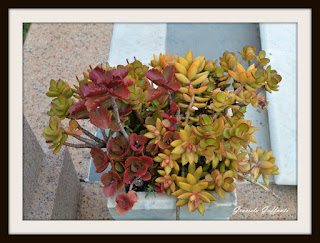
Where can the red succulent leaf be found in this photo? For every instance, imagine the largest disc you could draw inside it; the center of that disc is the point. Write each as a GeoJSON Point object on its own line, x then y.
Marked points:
{"type": "Point", "coordinates": [156, 77]}
{"type": "Point", "coordinates": [173, 86]}
{"type": "Point", "coordinates": [173, 108]}
{"type": "Point", "coordinates": [154, 94]}
{"type": "Point", "coordinates": [94, 101]}
{"type": "Point", "coordinates": [79, 110]}
{"type": "Point", "coordinates": [89, 90]}
{"type": "Point", "coordinates": [135, 167]}
{"type": "Point", "coordinates": [111, 182]}
{"type": "Point", "coordinates": [168, 73]}
{"type": "Point", "coordinates": [100, 159]}
{"type": "Point", "coordinates": [137, 142]}
{"type": "Point", "coordinates": [113, 126]}
{"type": "Point", "coordinates": [159, 188]}
{"type": "Point", "coordinates": [99, 75]}
{"type": "Point", "coordinates": [146, 177]}
{"type": "Point", "coordinates": [121, 72]}
{"type": "Point", "coordinates": [163, 145]}
{"type": "Point", "coordinates": [118, 148]}
{"type": "Point", "coordinates": [128, 176]}
{"type": "Point", "coordinates": [163, 98]}
{"type": "Point", "coordinates": [125, 202]}
{"type": "Point", "coordinates": [152, 148]}
{"type": "Point", "coordinates": [121, 90]}
{"type": "Point", "coordinates": [100, 117]}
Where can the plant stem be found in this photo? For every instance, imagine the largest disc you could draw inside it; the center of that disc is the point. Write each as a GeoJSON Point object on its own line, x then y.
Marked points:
{"type": "Point", "coordinates": [104, 134]}
{"type": "Point", "coordinates": [80, 145]}
{"type": "Point", "coordinates": [87, 141]}
{"type": "Point", "coordinates": [116, 114]}
{"type": "Point", "coordinates": [188, 111]}
{"type": "Point", "coordinates": [237, 91]}
{"type": "Point", "coordinates": [90, 135]}
{"type": "Point", "coordinates": [251, 180]}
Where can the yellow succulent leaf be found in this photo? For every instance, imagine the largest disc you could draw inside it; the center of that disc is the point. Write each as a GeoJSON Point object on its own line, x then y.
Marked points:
{"type": "Point", "coordinates": [180, 68]}
{"type": "Point", "coordinates": [193, 69]}
{"type": "Point", "coordinates": [178, 192]}
{"type": "Point", "coordinates": [184, 62]}
{"type": "Point", "coordinates": [199, 80]}
{"type": "Point", "coordinates": [200, 105]}
{"type": "Point", "coordinates": [191, 179]}
{"type": "Point", "coordinates": [208, 195]}
{"type": "Point", "coordinates": [183, 90]}
{"type": "Point", "coordinates": [175, 143]}
{"type": "Point", "coordinates": [185, 196]}
{"type": "Point", "coordinates": [150, 135]}
{"type": "Point", "coordinates": [182, 78]}
{"type": "Point", "coordinates": [198, 173]}
{"type": "Point", "coordinates": [201, 208]}
{"type": "Point", "coordinates": [189, 57]}
{"type": "Point", "coordinates": [201, 90]}
{"type": "Point", "coordinates": [185, 186]}
{"type": "Point", "coordinates": [178, 150]}
{"type": "Point", "coordinates": [186, 97]}
{"type": "Point", "coordinates": [181, 202]}
{"type": "Point", "coordinates": [204, 197]}
{"type": "Point", "coordinates": [161, 172]}
{"type": "Point", "coordinates": [203, 185]}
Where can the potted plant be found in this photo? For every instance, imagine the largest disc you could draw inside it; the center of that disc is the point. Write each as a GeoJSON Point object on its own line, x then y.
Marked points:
{"type": "Point", "coordinates": [173, 129]}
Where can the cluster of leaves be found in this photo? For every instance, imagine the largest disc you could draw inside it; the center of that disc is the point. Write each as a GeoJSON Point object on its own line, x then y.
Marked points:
{"type": "Point", "coordinates": [178, 129]}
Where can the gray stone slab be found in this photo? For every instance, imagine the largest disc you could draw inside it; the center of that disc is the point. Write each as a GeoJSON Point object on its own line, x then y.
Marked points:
{"type": "Point", "coordinates": [68, 191]}
{"type": "Point", "coordinates": [32, 159]}
{"type": "Point", "coordinates": [280, 43]}
{"type": "Point", "coordinates": [58, 191]}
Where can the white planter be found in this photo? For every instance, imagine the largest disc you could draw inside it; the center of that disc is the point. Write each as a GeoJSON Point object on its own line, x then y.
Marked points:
{"type": "Point", "coordinates": [162, 207]}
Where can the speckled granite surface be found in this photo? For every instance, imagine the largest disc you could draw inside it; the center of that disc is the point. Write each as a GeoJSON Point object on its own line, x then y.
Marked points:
{"type": "Point", "coordinates": [53, 51]}
{"type": "Point", "coordinates": [256, 204]}
{"type": "Point", "coordinates": [60, 51]}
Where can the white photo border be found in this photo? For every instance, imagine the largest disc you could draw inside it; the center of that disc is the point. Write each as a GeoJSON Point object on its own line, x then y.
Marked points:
{"type": "Point", "coordinates": [300, 16]}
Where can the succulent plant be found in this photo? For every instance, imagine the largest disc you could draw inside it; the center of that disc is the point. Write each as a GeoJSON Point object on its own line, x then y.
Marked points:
{"type": "Point", "coordinates": [73, 128]}
{"type": "Point", "coordinates": [245, 77]}
{"type": "Point", "coordinates": [269, 78]}
{"type": "Point", "coordinates": [60, 107]}
{"type": "Point", "coordinates": [247, 53]}
{"type": "Point", "coordinates": [54, 134]}
{"type": "Point", "coordinates": [59, 88]}
{"type": "Point", "coordinates": [192, 191]}
{"type": "Point", "coordinates": [239, 133]}
{"type": "Point", "coordinates": [261, 58]}
{"type": "Point", "coordinates": [262, 163]}
{"type": "Point", "coordinates": [222, 100]}
{"type": "Point", "coordinates": [162, 61]}
{"type": "Point", "coordinates": [174, 127]}
{"type": "Point", "coordinates": [125, 202]}
{"type": "Point", "coordinates": [100, 159]}
{"type": "Point", "coordinates": [137, 167]}
{"type": "Point", "coordinates": [118, 148]}
{"type": "Point", "coordinates": [221, 183]}
{"type": "Point", "coordinates": [167, 161]}
{"type": "Point", "coordinates": [228, 61]}
{"type": "Point", "coordinates": [111, 183]}
{"type": "Point", "coordinates": [246, 97]}
{"type": "Point", "coordinates": [186, 146]}
{"type": "Point", "coordinates": [168, 182]}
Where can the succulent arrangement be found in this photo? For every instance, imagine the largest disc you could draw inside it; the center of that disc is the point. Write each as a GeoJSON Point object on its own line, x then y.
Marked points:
{"type": "Point", "coordinates": [172, 127]}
